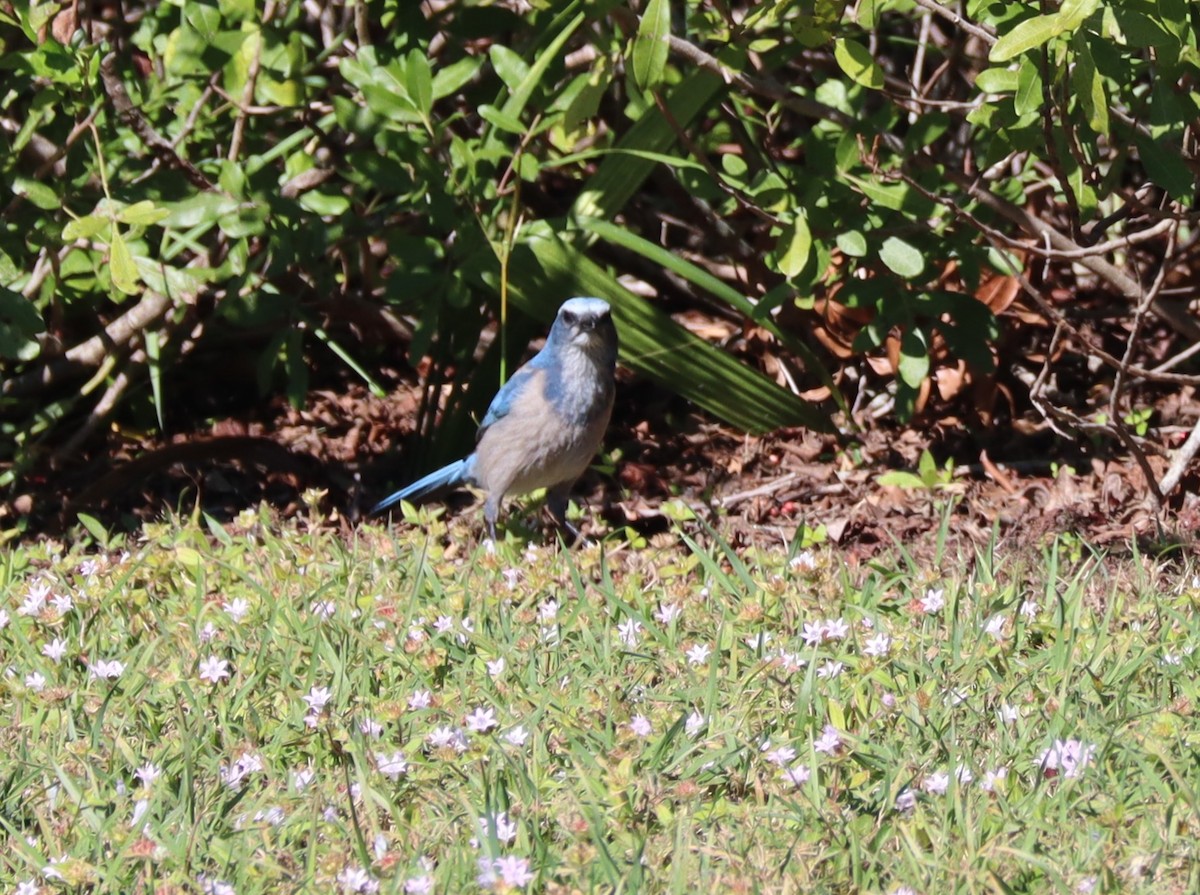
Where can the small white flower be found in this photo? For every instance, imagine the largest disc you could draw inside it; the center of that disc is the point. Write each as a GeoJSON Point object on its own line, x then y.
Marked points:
{"type": "Point", "coordinates": [208, 632]}
{"type": "Point", "coordinates": [369, 727]}
{"type": "Point", "coordinates": [797, 774]}
{"type": "Point", "coordinates": [235, 775]}
{"type": "Point", "coordinates": [356, 879]}
{"type": "Point", "coordinates": [906, 800]}
{"type": "Point", "coordinates": [63, 603]}
{"type": "Point", "coordinates": [994, 627]}
{"type": "Point", "coordinates": [496, 667]}
{"type": "Point", "coordinates": [210, 886]}
{"type": "Point", "coordinates": [148, 773]}
{"type": "Point", "coordinates": [630, 632]}
{"type": "Point", "coordinates": [790, 663]}
{"type": "Point", "coordinates": [836, 628]}
{"type": "Point", "coordinates": [830, 740]}
{"type": "Point", "coordinates": [1007, 713]}
{"type": "Point", "coordinates": [878, 646]}
{"type": "Point", "coordinates": [780, 755]}
{"type": "Point", "coordinates": [323, 609]}
{"type": "Point", "coordinates": [830, 669]}
{"type": "Point", "coordinates": [393, 766]}
{"type": "Point", "coordinates": [213, 669]}
{"type": "Point", "coordinates": [55, 649]}
{"type": "Point", "coordinates": [1029, 609]}
{"type": "Point", "coordinates": [447, 737]}
{"type": "Point", "coordinates": [993, 779]}
{"type": "Point", "coordinates": [933, 601]}
{"type": "Point", "coordinates": [667, 613]}
{"type": "Point", "coordinates": [420, 699]}
{"type": "Point", "coordinates": [511, 577]}
{"type": "Point", "coordinates": [1068, 757]}
{"type": "Point", "coordinates": [35, 681]}
{"type": "Point", "coordinates": [936, 783]}
{"type": "Point", "coordinates": [4, 620]}
{"type": "Point", "coordinates": [548, 611]}
{"type": "Point", "coordinates": [317, 698]}
{"type": "Point", "coordinates": [694, 724]}
{"type": "Point", "coordinates": [506, 829]}
{"type": "Point", "coordinates": [106, 670]}
{"type": "Point", "coordinates": [804, 561]}
{"type": "Point", "coordinates": [419, 885]}
{"type": "Point", "coordinates": [443, 624]}
{"type": "Point", "coordinates": [237, 608]}
{"type": "Point", "coordinates": [698, 653]}
{"type": "Point", "coordinates": [303, 777]}
{"type": "Point", "coordinates": [758, 641]}
{"type": "Point", "coordinates": [518, 736]}
{"type": "Point", "coordinates": [640, 726]}
{"type": "Point", "coordinates": [481, 720]}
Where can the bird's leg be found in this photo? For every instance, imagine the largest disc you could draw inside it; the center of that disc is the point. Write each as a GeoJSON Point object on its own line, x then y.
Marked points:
{"type": "Point", "coordinates": [556, 502]}
{"type": "Point", "coordinates": [491, 510]}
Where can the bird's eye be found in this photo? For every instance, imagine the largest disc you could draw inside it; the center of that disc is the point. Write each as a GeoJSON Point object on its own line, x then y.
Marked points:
{"type": "Point", "coordinates": [568, 317]}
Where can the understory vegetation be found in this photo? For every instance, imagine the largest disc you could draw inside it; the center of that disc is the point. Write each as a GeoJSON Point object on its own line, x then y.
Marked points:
{"type": "Point", "coordinates": [890, 210]}
{"type": "Point", "coordinates": [264, 707]}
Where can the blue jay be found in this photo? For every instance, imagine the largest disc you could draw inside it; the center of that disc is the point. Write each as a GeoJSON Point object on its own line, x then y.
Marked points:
{"type": "Point", "coordinates": [545, 425]}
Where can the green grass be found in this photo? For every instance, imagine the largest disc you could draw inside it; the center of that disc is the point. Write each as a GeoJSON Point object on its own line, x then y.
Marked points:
{"type": "Point", "coordinates": [640, 769]}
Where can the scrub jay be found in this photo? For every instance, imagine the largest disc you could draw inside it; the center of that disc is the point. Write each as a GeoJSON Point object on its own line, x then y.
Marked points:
{"type": "Point", "coordinates": [544, 426]}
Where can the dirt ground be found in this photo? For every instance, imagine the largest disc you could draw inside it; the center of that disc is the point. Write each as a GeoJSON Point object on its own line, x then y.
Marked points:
{"type": "Point", "coordinates": [353, 446]}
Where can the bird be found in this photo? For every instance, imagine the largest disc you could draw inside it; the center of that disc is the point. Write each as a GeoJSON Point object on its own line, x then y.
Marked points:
{"type": "Point", "coordinates": [545, 424]}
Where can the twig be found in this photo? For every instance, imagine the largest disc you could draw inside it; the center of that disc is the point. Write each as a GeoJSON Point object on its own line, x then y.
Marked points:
{"type": "Point", "coordinates": [1183, 457]}
{"type": "Point", "coordinates": [161, 148]}
{"type": "Point", "coordinates": [91, 352]}
{"type": "Point", "coordinates": [770, 487]}
{"type": "Point", "coordinates": [955, 19]}
{"type": "Point", "coordinates": [239, 124]}
{"type": "Point", "coordinates": [99, 413]}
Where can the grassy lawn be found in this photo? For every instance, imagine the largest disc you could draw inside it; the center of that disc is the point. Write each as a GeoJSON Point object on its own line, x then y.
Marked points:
{"type": "Point", "coordinates": [267, 708]}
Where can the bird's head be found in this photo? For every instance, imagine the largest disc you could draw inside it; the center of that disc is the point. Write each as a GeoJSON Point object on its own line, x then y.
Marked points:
{"type": "Point", "coordinates": [586, 324]}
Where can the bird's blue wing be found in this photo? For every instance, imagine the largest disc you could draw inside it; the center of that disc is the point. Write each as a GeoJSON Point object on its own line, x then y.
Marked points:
{"type": "Point", "coordinates": [508, 395]}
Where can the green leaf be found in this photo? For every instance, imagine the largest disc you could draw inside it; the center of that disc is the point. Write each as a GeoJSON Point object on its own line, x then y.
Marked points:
{"type": "Point", "coordinates": [95, 528]}
{"type": "Point", "coordinates": [1089, 86]}
{"type": "Point", "coordinates": [121, 266]}
{"type": "Point", "coordinates": [1025, 36]}
{"type": "Point", "coordinates": [1074, 13]}
{"type": "Point", "coordinates": [420, 82]}
{"type": "Point", "coordinates": [297, 369]}
{"type": "Point", "coordinates": [205, 20]}
{"type": "Point", "coordinates": [85, 227]}
{"type": "Point", "coordinates": [914, 358]}
{"type": "Point", "coordinates": [620, 176]}
{"type": "Point", "coordinates": [899, 478]}
{"type": "Point", "coordinates": [154, 362]}
{"type": "Point", "coordinates": [450, 79]}
{"type": "Point", "coordinates": [794, 247]}
{"type": "Point", "coordinates": [19, 323]}
{"type": "Point", "coordinates": [996, 80]}
{"type": "Point", "coordinates": [651, 45]}
{"type": "Point", "coordinates": [497, 118]}
{"type": "Point", "coordinates": [1029, 88]}
{"type": "Point", "coordinates": [509, 65]}
{"type": "Point", "coordinates": [858, 63]}
{"type": "Point", "coordinates": [852, 243]}
{"type": "Point", "coordinates": [1165, 167]}
{"type": "Point", "coordinates": [142, 214]}
{"type": "Point", "coordinates": [38, 193]}
{"type": "Point", "coordinates": [901, 258]}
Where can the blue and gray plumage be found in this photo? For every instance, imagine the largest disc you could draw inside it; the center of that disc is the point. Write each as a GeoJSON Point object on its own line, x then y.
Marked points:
{"type": "Point", "coordinates": [545, 425]}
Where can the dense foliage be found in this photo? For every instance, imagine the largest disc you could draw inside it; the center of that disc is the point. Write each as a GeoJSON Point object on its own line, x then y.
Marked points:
{"type": "Point", "coordinates": [272, 188]}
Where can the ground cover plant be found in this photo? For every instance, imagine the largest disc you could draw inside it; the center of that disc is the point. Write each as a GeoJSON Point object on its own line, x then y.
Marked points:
{"type": "Point", "coordinates": [268, 706]}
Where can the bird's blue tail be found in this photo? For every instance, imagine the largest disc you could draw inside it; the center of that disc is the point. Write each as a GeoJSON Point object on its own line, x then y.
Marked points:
{"type": "Point", "coordinates": [455, 474]}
